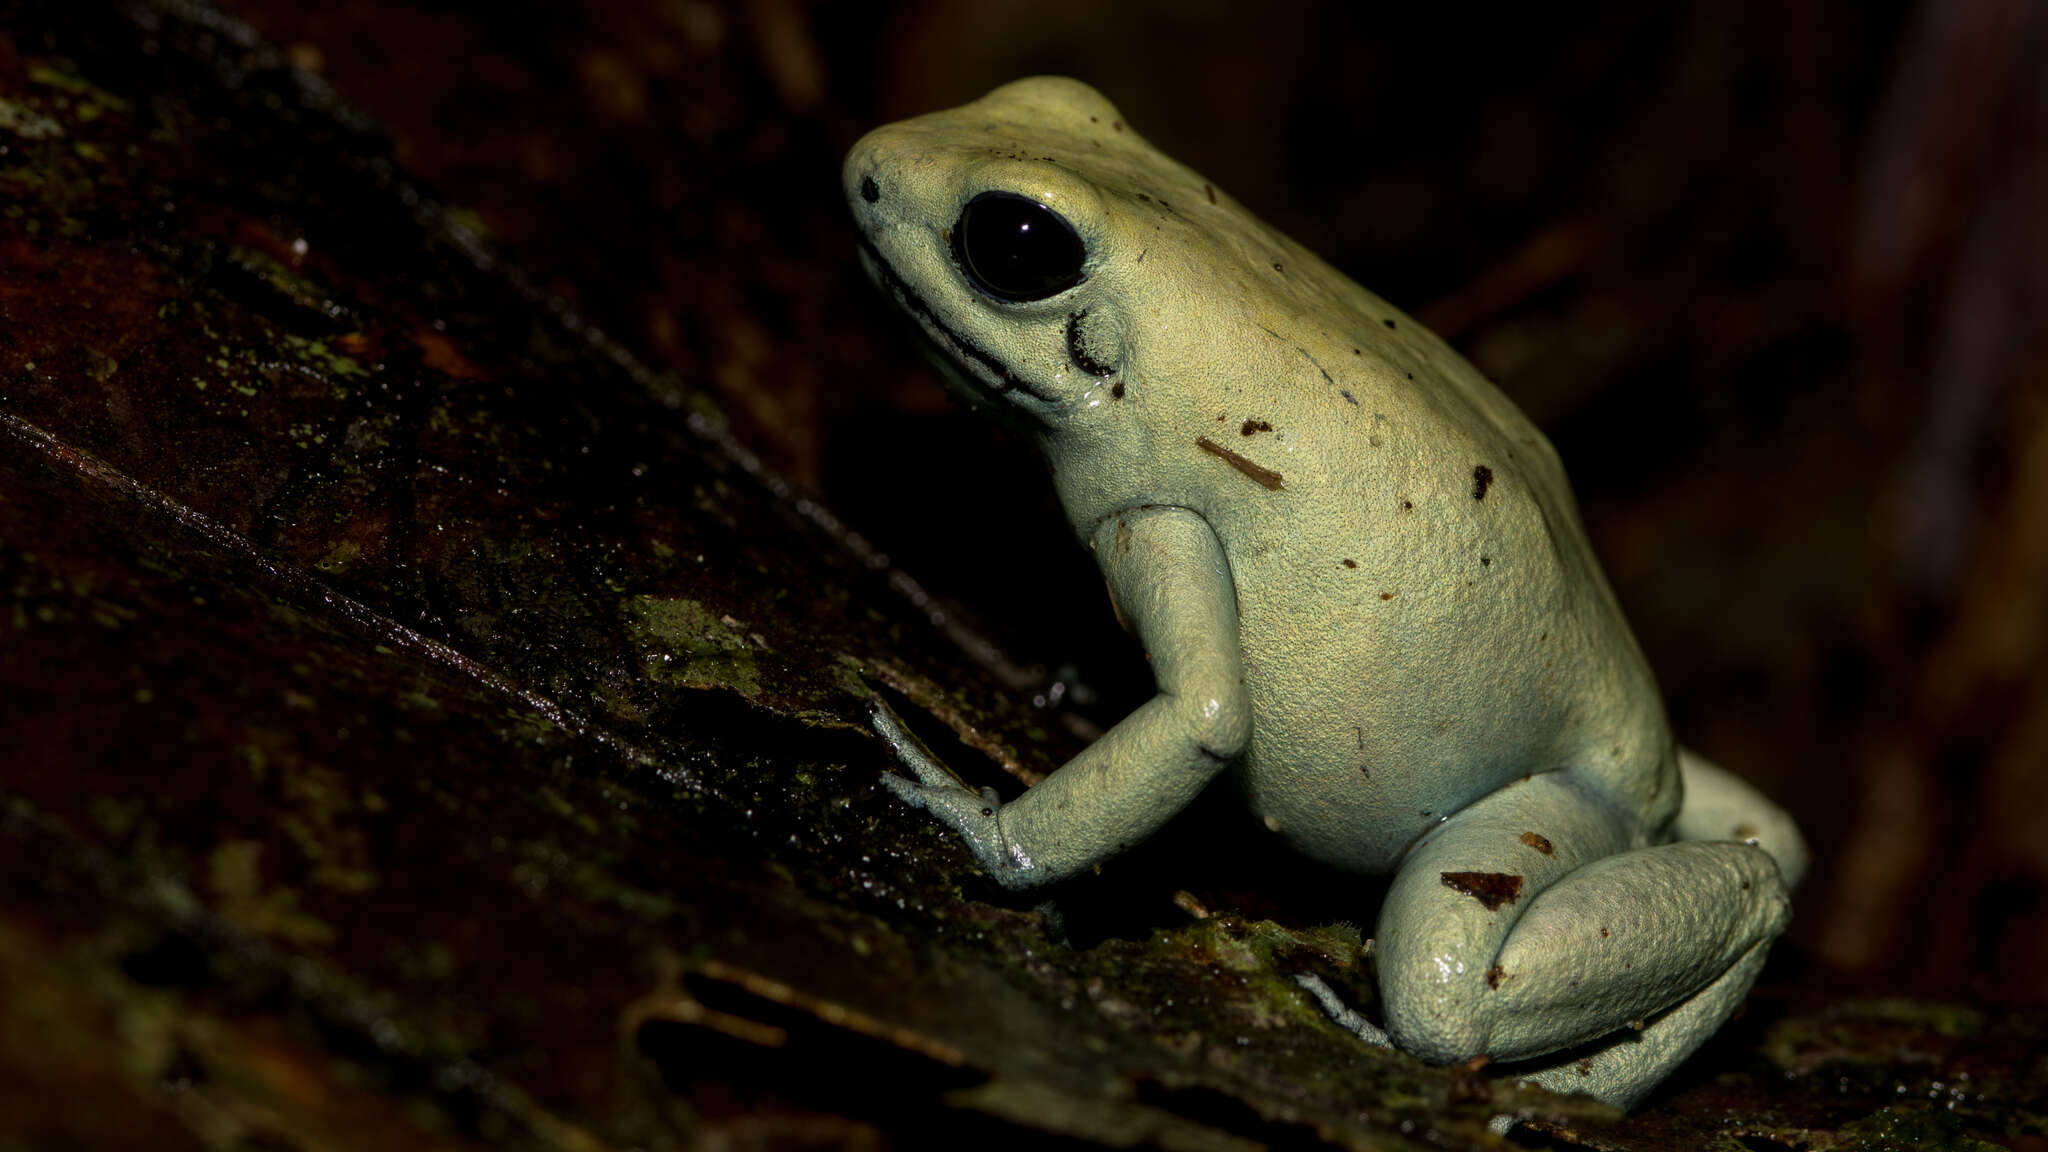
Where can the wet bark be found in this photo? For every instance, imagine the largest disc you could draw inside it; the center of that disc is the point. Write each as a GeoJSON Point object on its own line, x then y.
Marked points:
{"type": "Point", "coordinates": [426, 723]}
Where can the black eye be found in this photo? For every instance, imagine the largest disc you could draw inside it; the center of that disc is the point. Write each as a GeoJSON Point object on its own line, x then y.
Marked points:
{"type": "Point", "coordinates": [1017, 249]}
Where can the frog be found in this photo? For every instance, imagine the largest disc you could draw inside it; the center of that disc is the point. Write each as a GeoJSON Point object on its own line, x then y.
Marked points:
{"type": "Point", "coordinates": [1364, 588]}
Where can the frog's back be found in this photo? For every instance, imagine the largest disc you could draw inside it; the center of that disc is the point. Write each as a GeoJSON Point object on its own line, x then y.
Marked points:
{"type": "Point", "coordinates": [1423, 618]}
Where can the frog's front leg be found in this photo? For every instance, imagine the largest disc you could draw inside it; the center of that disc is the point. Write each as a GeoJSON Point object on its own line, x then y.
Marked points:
{"type": "Point", "coordinates": [1530, 923]}
{"type": "Point", "coordinates": [1172, 587]}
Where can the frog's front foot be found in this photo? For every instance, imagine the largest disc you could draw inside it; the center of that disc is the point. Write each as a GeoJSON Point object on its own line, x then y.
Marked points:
{"type": "Point", "coordinates": [975, 815]}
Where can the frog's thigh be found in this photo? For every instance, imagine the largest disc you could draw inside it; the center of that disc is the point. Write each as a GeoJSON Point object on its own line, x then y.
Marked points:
{"type": "Point", "coordinates": [1516, 930]}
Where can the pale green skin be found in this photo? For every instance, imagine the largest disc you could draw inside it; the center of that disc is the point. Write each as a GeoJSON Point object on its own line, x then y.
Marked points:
{"type": "Point", "coordinates": [1411, 666]}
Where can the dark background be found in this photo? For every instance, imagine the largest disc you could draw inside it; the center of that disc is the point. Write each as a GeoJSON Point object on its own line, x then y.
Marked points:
{"type": "Point", "coordinates": [1771, 275]}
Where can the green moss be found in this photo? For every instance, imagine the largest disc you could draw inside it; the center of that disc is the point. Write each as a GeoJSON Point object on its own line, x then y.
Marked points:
{"type": "Point", "coordinates": [24, 121]}
{"type": "Point", "coordinates": [234, 872]}
{"type": "Point", "coordinates": [681, 642]}
{"type": "Point", "coordinates": [58, 75]}
{"type": "Point", "coordinates": [317, 354]}
{"type": "Point", "coordinates": [1910, 1130]}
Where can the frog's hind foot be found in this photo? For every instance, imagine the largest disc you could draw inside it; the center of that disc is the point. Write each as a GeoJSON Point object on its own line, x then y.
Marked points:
{"type": "Point", "coordinates": [1346, 1017]}
{"type": "Point", "coordinates": [1623, 1069]}
{"type": "Point", "coordinates": [1720, 805]}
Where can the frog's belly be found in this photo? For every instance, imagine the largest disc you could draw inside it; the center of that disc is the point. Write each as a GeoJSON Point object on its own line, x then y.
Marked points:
{"type": "Point", "coordinates": [1354, 784]}
{"type": "Point", "coordinates": [1363, 811]}
{"type": "Point", "coordinates": [1371, 727]}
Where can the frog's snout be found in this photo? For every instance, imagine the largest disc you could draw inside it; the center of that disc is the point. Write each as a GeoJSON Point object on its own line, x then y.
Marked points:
{"type": "Point", "coordinates": [863, 175]}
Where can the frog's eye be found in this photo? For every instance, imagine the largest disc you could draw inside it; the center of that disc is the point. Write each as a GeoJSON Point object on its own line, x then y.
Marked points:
{"type": "Point", "coordinates": [1014, 248]}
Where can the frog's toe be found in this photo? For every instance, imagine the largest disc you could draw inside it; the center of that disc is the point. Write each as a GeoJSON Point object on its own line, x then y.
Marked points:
{"type": "Point", "coordinates": [907, 790]}
{"type": "Point", "coordinates": [909, 751]}
{"type": "Point", "coordinates": [1343, 1014]}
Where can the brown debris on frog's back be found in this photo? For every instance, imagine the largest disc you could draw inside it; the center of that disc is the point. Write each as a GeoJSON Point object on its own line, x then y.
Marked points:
{"type": "Point", "coordinates": [1263, 476]}
{"type": "Point", "coordinates": [1492, 889]}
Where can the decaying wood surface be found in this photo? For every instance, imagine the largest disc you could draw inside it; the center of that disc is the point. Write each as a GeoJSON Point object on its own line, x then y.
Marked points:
{"type": "Point", "coordinates": [427, 721]}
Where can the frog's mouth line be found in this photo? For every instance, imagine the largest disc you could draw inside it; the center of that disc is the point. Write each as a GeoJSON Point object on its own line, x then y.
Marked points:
{"type": "Point", "coordinates": [1006, 381]}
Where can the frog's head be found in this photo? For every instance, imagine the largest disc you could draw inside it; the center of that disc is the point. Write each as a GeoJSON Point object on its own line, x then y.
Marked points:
{"type": "Point", "coordinates": [969, 219]}
{"type": "Point", "coordinates": [1072, 276]}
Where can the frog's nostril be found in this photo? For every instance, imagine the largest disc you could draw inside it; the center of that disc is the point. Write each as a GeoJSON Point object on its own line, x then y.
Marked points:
{"type": "Point", "coordinates": [868, 191]}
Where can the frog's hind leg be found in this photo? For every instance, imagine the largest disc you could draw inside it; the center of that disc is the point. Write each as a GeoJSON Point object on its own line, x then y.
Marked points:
{"type": "Point", "coordinates": [1718, 806]}
{"type": "Point", "coordinates": [1528, 928]}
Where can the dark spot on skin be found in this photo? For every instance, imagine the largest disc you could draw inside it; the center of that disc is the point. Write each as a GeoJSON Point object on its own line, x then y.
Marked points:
{"type": "Point", "coordinates": [1078, 352]}
{"type": "Point", "coordinates": [1276, 266]}
{"type": "Point", "coordinates": [1117, 124]}
{"type": "Point", "coordinates": [1407, 505]}
{"type": "Point", "coordinates": [1603, 931]}
{"type": "Point", "coordinates": [1095, 120]}
{"type": "Point", "coordinates": [868, 191]}
{"type": "Point", "coordinates": [1543, 637]}
{"type": "Point", "coordinates": [1390, 596]}
{"type": "Point", "coordinates": [988, 811]}
{"type": "Point", "coordinates": [1491, 889]}
{"type": "Point", "coordinates": [1745, 832]}
{"type": "Point", "coordinates": [1482, 479]}
{"type": "Point", "coordinates": [1145, 198]}
{"type": "Point", "coordinates": [1411, 375]}
{"type": "Point", "coordinates": [1221, 417]}
{"type": "Point", "coordinates": [1211, 192]}
{"type": "Point", "coordinates": [1539, 842]}
{"type": "Point", "coordinates": [1264, 477]}
{"type": "Point", "coordinates": [1486, 561]}
{"type": "Point", "coordinates": [1116, 390]}
{"type": "Point", "coordinates": [1251, 426]}
{"type": "Point", "coordinates": [1346, 394]}
{"type": "Point", "coordinates": [1388, 323]}
{"type": "Point", "coordinates": [1357, 352]}
{"type": "Point", "coordinates": [1350, 563]}
{"type": "Point", "coordinates": [1365, 770]}
{"type": "Point", "coordinates": [1494, 975]}
{"type": "Point", "coordinates": [1745, 885]}
{"type": "Point", "coordinates": [1586, 1066]}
